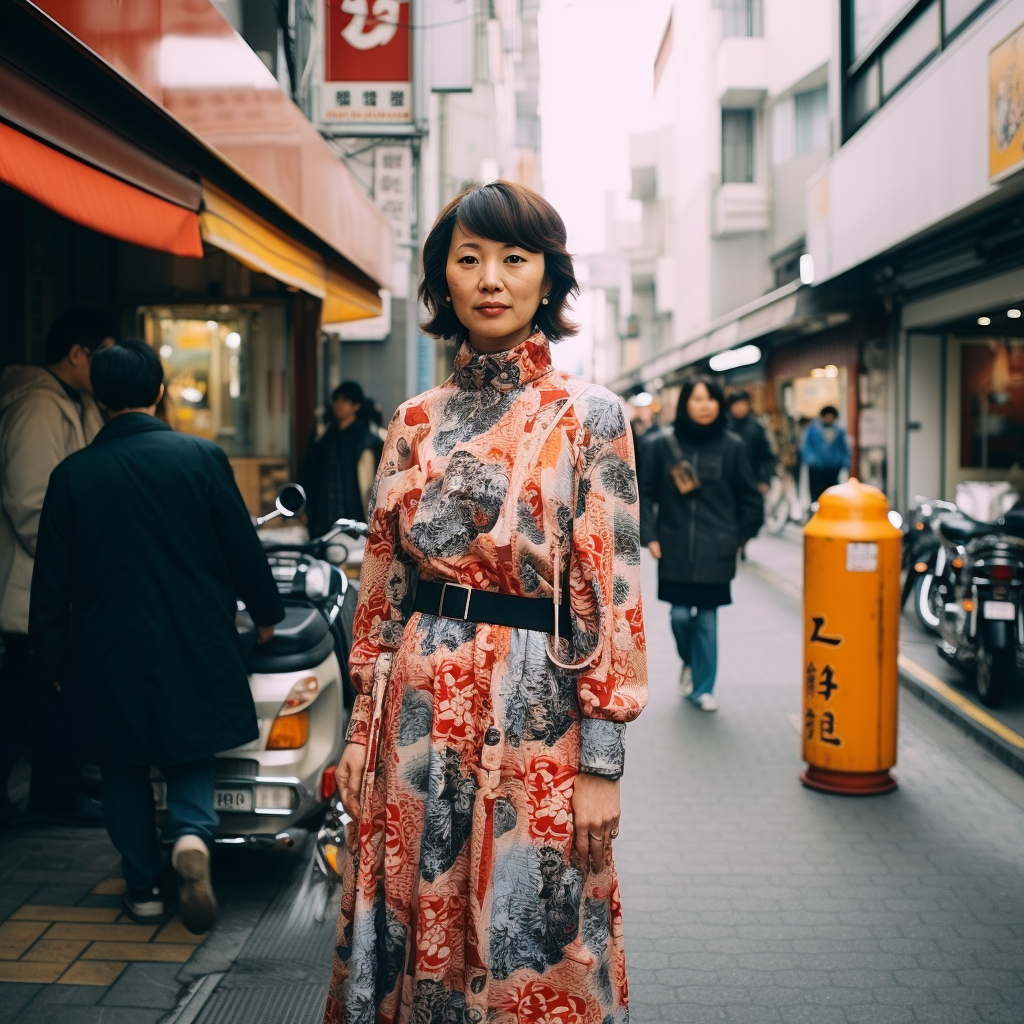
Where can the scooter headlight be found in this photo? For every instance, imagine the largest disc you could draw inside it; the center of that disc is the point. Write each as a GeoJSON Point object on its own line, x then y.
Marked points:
{"type": "Point", "coordinates": [301, 695]}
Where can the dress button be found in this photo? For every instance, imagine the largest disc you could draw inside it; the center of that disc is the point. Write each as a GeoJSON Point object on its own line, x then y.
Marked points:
{"type": "Point", "coordinates": [492, 737]}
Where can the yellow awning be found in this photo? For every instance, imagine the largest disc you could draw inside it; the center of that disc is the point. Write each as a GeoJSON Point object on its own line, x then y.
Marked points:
{"type": "Point", "coordinates": [348, 300]}
{"type": "Point", "coordinates": [228, 225]}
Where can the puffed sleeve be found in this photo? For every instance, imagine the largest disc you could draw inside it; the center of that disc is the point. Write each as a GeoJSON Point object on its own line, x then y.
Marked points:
{"type": "Point", "coordinates": [608, 620]}
{"type": "Point", "coordinates": [383, 584]}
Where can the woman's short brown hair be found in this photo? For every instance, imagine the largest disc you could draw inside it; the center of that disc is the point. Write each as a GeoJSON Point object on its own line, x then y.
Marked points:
{"type": "Point", "coordinates": [505, 212]}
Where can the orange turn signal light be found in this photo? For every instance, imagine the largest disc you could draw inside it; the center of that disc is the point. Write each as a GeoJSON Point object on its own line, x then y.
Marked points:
{"type": "Point", "coordinates": [957, 563]}
{"type": "Point", "coordinates": [919, 525]}
{"type": "Point", "coordinates": [968, 605]}
{"type": "Point", "coordinates": [920, 567]}
{"type": "Point", "coordinates": [289, 732]}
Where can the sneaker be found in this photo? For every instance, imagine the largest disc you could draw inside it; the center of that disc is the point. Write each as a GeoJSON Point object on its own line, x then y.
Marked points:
{"type": "Point", "coordinates": [148, 908]}
{"type": "Point", "coordinates": [685, 681]}
{"type": "Point", "coordinates": [197, 905]}
{"type": "Point", "coordinates": [706, 702]}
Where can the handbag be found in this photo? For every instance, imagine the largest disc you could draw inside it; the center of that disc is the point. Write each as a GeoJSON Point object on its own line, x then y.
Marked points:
{"type": "Point", "coordinates": [684, 476]}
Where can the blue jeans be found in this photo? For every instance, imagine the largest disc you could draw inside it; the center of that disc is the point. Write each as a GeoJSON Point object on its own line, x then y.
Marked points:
{"type": "Point", "coordinates": [696, 633]}
{"type": "Point", "coordinates": [130, 811]}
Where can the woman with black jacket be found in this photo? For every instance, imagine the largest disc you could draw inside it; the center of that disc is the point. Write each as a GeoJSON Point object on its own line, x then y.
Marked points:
{"type": "Point", "coordinates": [699, 503]}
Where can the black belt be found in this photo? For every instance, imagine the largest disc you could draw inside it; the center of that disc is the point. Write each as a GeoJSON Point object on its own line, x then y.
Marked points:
{"type": "Point", "coordinates": [452, 601]}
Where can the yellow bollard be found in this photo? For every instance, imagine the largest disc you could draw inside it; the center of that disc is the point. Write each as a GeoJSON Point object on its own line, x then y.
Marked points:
{"type": "Point", "coordinates": [851, 632]}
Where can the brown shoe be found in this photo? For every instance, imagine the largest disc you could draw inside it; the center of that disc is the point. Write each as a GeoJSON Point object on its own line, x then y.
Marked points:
{"type": "Point", "coordinates": [197, 904]}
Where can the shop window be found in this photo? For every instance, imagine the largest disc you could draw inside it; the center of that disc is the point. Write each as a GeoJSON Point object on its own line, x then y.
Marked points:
{"type": "Point", "coordinates": [225, 371]}
{"type": "Point", "coordinates": [871, 18]}
{"type": "Point", "coordinates": [886, 42]}
{"type": "Point", "coordinates": [991, 403]}
{"type": "Point", "coordinates": [918, 41]}
{"type": "Point", "coordinates": [737, 145]}
{"type": "Point", "coordinates": [956, 13]}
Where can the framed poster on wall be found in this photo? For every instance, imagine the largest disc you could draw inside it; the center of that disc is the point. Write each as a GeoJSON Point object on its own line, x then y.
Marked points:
{"type": "Point", "coordinates": [1006, 106]}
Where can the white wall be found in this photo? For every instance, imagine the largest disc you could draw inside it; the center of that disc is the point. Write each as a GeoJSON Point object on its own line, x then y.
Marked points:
{"type": "Point", "coordinates": [920, 159]}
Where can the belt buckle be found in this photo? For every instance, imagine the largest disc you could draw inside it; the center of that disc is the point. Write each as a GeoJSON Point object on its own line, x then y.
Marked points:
{"type": "Point", "coordinates": [444, 591]}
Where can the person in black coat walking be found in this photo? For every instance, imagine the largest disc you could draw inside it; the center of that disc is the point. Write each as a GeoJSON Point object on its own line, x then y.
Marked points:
{"type": "Point", "coordinates": [144, 545]}
{"type": "Point", "coordinates": [699, 503]}
{"type": "Point", "coordinates": [744, 424]}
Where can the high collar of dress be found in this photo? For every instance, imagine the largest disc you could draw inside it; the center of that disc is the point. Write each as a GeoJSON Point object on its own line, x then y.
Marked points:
{"type": "Point", "coordinates": [503, 371]}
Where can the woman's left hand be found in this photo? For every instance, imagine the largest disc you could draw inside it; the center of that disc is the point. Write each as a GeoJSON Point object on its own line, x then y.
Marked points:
{"type": "Point", "coordinates": [595, 808]}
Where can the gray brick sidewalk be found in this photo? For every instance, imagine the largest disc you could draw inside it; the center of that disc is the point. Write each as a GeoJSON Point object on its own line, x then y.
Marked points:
{"type": "Point", "coordinates": [748, 898]}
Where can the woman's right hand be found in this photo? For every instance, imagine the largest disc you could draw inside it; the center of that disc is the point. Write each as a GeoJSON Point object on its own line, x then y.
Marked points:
{"type": "Point", "coordinates": [349, 776]}
{"type": "Point", "coordinates": [655, 549]}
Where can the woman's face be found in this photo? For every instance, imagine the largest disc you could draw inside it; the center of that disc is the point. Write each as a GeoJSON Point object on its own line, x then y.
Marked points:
{"type": "Point", "coordinates": [495, 289]}
{"type": "Point", "coordinates": [701, 407]}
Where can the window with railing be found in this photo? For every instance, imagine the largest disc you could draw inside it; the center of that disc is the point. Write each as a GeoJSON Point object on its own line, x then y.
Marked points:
{"type": "Point", "coordinates": [741, 17]}
{"type": "Point", "coordinates": [887, 42]}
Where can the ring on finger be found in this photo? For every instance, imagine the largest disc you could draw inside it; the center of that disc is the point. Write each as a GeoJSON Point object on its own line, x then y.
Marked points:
{"type": "Point", "coordinates": [615, 833]}
{"type": "Point", "coordinates": [597, 839]}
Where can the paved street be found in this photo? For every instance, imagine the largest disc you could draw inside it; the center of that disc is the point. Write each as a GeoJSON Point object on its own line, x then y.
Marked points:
{"type": "Point", "coordinates": [747, 897]}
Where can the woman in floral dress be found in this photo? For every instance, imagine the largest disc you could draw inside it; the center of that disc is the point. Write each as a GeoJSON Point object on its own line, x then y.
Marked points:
{"type": "Point", "coordinates": [484, 755]}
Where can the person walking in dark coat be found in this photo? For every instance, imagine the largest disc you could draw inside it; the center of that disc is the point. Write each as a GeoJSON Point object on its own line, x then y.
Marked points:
{"type": "Point", "coordinates": [699, 503]}
{"type": "Point", "coordinates": [144, 545]}
{"type": "Point", "coordinates": [825, 450]}
{"type": "Point", "coordinates": [340, 467]}
{"type": "Point", "coordinates": [744, 424]}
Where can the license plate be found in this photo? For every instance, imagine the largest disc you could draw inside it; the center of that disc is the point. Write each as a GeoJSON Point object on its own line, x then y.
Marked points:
{"type": "Point", "coordinates": [232, 800]}
{"type": "Point", "coordinates": [228, 800]}
{"type": "Point", "coordinates": [1005, 610]}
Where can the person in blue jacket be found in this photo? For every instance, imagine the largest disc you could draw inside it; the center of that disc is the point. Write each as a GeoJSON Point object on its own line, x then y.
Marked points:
{"type": "Point", "coordinates": [825, 450]}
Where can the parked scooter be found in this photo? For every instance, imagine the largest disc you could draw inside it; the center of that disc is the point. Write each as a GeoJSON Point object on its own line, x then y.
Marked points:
{"type": "Point", "coordinates": [274, 790]}
{"type": "Point", "coordinates": [983, 617]}
{"type": "Point", "coordinates": [926, 567]}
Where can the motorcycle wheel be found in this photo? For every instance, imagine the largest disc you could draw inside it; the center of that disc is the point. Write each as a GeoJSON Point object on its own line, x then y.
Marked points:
{"type": "Point", "coordinates": [925, 601]}
{"type": "Point", "coordinates": [992, 674]}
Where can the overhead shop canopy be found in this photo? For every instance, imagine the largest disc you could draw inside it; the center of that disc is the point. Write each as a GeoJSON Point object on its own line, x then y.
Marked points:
{"type": "Point", "coordinates": [791, 308]}
{"type": "Point", "coordinates": [260, 246]}
{"type": "Point", "coordinates": [75, 166]}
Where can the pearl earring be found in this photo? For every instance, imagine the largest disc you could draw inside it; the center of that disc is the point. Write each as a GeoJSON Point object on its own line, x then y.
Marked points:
{"type": "Point", "coordinates": [544, 301]}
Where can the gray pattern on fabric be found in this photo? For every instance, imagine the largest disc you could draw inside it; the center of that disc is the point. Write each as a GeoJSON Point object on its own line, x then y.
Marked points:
{"type": "Point", "coordinates": [540, 700]}
{"type": "Point", "coordinates": [535, 911]}
{"type": "Point", "coordinates": [602, 747]}
{"type": "Point", "coordinates": [460, 506]}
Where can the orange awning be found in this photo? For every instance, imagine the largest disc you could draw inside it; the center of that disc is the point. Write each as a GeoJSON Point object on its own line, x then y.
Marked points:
{"type": "Point", "coordinates": [96, 200]}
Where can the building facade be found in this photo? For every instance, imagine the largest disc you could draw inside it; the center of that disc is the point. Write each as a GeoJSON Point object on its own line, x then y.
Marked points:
{"type": "Point", "coordinates": [921, 210]}
{"type": "Point", "coordinates": [148, 168]}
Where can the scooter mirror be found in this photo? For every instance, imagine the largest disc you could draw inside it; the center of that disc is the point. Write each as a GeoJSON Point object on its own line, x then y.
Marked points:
{"type": "Point", "coordinates": [291, 500]}
{"type": "Point", "coordinates": [896, 519]}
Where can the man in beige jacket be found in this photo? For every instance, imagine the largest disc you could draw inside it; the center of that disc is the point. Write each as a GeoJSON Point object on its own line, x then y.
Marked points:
{"type": "Point", "coordinates": [46, 414]}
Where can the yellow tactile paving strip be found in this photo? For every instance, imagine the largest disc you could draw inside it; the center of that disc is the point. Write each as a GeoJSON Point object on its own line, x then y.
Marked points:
{"type": "Point", "coordinates": [85, 945]}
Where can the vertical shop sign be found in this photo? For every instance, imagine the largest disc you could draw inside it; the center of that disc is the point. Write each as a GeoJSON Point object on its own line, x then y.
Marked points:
{"type": "Point", "coordinates": [392, 188]}
{"type": "Point", "coordinates": [367, 62]}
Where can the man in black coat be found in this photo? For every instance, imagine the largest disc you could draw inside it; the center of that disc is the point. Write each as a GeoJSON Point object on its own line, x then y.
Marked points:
{"type": "Point", "coordinates": [144, 544]}
{"type": "Point", "coordinates": [759, 451]}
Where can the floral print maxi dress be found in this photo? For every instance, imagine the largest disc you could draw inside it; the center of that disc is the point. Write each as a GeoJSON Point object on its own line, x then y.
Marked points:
{"type": "Point", "coordinates": [462, 901]}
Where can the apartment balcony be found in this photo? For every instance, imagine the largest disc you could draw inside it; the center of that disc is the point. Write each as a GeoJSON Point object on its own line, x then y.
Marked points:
{"type": "Point", "coordinates": [741, 207]}
{"type": "Point", "coordinates": [741, 71]}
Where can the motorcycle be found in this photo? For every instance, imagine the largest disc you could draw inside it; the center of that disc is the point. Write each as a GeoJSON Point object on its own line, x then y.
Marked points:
{"type": "Point", "coordinates": [983, 616]}
{"type": "Point", "coordinates": [926, 568]}
{"type": "Point", "coordinates": [276, 789]}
